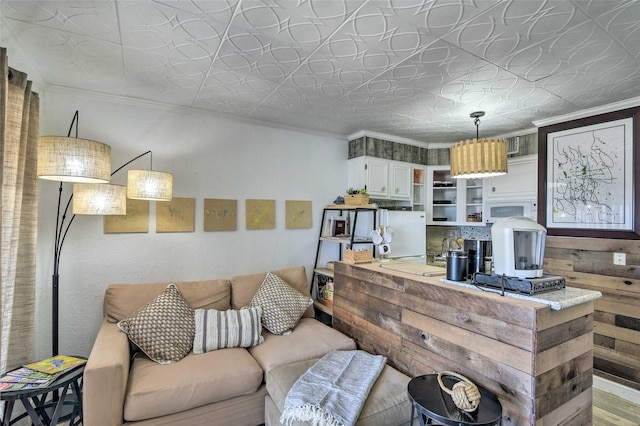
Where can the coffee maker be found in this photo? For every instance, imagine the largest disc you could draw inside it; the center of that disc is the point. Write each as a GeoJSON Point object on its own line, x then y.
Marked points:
{"type": "Point", "coordinates": [519, 247]}
{"type": "Point", "coordinates": [477, 250]}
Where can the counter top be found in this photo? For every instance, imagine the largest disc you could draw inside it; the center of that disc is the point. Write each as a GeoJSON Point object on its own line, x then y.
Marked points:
{"type": "Point", "coordinates": [556, 299]}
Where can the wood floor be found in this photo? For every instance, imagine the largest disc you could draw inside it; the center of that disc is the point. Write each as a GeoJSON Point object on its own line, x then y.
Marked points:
{"type": "Point", "coordinates": [611, 410]}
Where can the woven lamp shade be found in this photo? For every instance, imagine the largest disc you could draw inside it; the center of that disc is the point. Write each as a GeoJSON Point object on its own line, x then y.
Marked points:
{"type": "Point", "coordinates": [73, 159]}
{"type": "Point", "coordinates": [475, 158]}
{"type": "Point", "coordinates": [99, 198]}
{"type": "Point", "coordinates": [149, 185]}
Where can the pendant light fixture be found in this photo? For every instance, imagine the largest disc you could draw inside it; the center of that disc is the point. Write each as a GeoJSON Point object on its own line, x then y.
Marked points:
{"type": "Point", "coordinates": [478, 158]}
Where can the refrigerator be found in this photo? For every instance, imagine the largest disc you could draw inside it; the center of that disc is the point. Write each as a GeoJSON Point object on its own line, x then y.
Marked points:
{"type": "Point", "coordinates": [410, 234]}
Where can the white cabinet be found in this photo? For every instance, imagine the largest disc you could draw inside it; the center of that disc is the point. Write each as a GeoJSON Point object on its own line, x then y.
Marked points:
{"type": "Point", "coordinates": [377, 178]}
{"type": "Point", "coordinates": [521, 181]}
{"type": "Point", "coordinates": [400, 180]}
{"type": "Point", "coordinates": [442, 196]}
{"type": "Point", "coordinates": [384, 179]}
{"type": "Point", "coordinates": [452, 201]}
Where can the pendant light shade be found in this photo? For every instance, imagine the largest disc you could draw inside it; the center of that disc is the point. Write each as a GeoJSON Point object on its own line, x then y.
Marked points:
{"type": "Point", "coordinates": [149, 185]}
{"type": "Point", "coordinates": [70, 159]}
{"type": "Point", "coordinates": [478, 158]}
{"type": "Point", "coordinates": [99, 199]}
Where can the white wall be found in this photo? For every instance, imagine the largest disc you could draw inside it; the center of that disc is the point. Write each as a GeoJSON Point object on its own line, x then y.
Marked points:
{"type": "Point", "coordinates": [210, 156]}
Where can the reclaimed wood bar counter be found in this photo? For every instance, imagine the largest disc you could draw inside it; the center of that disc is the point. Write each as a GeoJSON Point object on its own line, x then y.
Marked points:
{"type": "Point", "coordinates": [538, 361]}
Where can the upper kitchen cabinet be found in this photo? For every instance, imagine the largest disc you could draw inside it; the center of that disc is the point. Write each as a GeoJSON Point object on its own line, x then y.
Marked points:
{"type": "Point", "coordinates": [384, 179]}
{"type": "Point", "coordinates": [442, 196]}
{"type": "Point", "coordinates": [400, 175]}
{"type": "Point", "coordinates": [521, 180]}
{"type": "Point", "coordinates": [452, 201]}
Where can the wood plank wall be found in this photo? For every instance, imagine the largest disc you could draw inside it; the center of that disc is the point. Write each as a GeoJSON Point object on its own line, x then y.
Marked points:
{"type": "Point", "coordinates": [537, 361]}
{"type": "Point", "coordinates": [588, 263]}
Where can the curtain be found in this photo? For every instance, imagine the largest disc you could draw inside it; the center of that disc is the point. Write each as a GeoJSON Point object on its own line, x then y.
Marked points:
{"type": "Point", "coordinates": [19, 124]}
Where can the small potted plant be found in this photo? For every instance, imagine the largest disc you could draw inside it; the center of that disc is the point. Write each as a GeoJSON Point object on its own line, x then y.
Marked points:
{"type": "Point", "coordinates": [356, 197]}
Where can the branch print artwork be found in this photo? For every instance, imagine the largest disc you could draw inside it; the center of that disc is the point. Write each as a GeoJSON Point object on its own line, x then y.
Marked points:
{"type": "Point", "coordinates": [589, 170]}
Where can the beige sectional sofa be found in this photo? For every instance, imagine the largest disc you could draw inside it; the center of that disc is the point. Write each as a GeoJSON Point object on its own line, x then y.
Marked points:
{"type": "Point", "coordinates": [221, 387]}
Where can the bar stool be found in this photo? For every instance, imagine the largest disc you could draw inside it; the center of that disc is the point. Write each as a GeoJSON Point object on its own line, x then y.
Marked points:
{"type": "Point", "coordinates": [434, 405]}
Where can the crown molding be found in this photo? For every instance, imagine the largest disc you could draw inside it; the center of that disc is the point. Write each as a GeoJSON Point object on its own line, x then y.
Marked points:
{"type": "Point", "coordinates": [603, 109]}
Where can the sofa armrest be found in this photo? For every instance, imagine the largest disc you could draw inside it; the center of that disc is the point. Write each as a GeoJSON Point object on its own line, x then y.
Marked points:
{"type": "Point", "coordinates": [105, 377]}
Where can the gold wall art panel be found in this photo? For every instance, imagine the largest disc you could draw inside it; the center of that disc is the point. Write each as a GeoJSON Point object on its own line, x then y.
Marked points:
{"type": "Point", "coordinates": [297, 214]}
{"type": "Point", "coordinates": [135, 221]}
{"type": "Point", "coordinates": [260, 214]}
{"type": "Point", "coordinates": [176, 215]}
{"type": "Point", "coordinates": [220, 215]}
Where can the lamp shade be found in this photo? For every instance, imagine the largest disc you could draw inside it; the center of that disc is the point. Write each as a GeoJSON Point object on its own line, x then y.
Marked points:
{"type": "Point", "coordinates": [149, 185]}
{"type": "Point", "coordinates": [475, 158]}
{"type": "Point", "coordinates": [99, 198]}
{"type": "Point", "coordinates": [73, 159]}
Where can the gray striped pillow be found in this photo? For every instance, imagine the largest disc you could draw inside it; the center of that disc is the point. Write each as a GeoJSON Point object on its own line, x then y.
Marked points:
{"type": "Point", "coordinates": [227, 329]}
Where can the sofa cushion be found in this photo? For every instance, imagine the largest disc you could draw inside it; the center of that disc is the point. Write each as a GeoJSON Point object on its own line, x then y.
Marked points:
{"type": "Point", "coordinates": [157, 390]}
{"type": "Point", "coordinates": [244, 287]}
{"type": "Point", "coordinates": [282, 305]}
{"type": "Point", "coordinates": [122, 300]}
{"type": "Point", "coordinates": [310, 339]}
{"type": "Point", "coordinates": [387, 404]}
{"type": "Point", "coordinates": [164, 329]}
{"type": "Point", "coordinates": [227, 329]}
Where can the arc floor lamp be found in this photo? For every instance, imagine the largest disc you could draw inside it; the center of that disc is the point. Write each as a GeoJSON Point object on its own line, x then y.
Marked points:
{"type": "Point", "coordinates": [87, 165]}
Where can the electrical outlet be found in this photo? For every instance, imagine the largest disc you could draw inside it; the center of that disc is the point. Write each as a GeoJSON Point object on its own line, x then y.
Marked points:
{"type": "Point", "coordinates": [619, 258]}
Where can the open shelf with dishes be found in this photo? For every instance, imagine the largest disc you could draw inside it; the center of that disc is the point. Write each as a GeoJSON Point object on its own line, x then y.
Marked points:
{"type": "Point", "coordinates": [452, 201]}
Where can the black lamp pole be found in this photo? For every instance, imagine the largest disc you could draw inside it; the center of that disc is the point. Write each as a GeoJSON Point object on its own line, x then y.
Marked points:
{"type": "Point", "coordinates": [61, 234]}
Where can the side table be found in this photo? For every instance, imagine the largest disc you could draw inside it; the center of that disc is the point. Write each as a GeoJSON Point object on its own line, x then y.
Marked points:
{"type": "Point", "coordinates": [434, 404]}
{"type": "Point", "coordinates": [62, 407]}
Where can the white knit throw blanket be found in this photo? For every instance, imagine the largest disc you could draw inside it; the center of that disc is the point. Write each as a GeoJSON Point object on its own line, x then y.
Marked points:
{"type": "Point", "coordinates": [333, 391]}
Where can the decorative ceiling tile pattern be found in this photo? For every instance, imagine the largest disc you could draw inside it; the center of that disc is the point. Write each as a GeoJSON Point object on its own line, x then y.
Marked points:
{"type": "Point", "coordinates": [409, 68]}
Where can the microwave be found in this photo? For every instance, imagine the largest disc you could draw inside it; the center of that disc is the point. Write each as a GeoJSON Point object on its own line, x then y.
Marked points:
{"type": "Point", "coordinates": [499, 209]}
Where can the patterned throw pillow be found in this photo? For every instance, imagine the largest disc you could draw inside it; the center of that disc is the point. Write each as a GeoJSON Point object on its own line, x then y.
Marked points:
{"type": "Point", "coordinates": [227, 329]}
{"type": "Point", "coordinates": [282, 305]}
{"type": "Point", "coordinates": [164, 329]}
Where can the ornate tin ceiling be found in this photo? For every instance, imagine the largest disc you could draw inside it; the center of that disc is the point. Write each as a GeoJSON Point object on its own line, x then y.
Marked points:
{"type": "Point", "coordinates": [408, 68]}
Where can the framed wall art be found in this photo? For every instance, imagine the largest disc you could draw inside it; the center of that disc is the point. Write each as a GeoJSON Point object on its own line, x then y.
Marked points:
{"type": "Point", "coordinates": [587, 176]}
{"type": "Point", "coordinates": [135, 221]}
{"type": "Point", "coordinates": [260, 214]}
{"type": "Point", "coordinates": [176, 215]}
{"type": "Point", "coordinates": [297, 214]}
{"type": "Point", "coordinates": [220, 215]}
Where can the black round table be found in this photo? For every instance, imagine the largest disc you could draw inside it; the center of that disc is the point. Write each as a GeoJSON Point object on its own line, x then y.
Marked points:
{"type": "Point", "coordinates": [62, 406]}
{"type": "Point", "coordinates": [435, 405]}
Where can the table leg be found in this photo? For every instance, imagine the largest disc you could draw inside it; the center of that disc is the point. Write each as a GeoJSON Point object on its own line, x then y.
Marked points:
{"type": "Point", "coordinates": [38, 402]}
{"type": "Point", "coordinates": [78, 409]}
{"type": "Point", "coordinates": [6, 413]}
{"type": "Point", "coordinates": [35, 418]}
{"type": "Point", "coordinates": [58, 410]}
